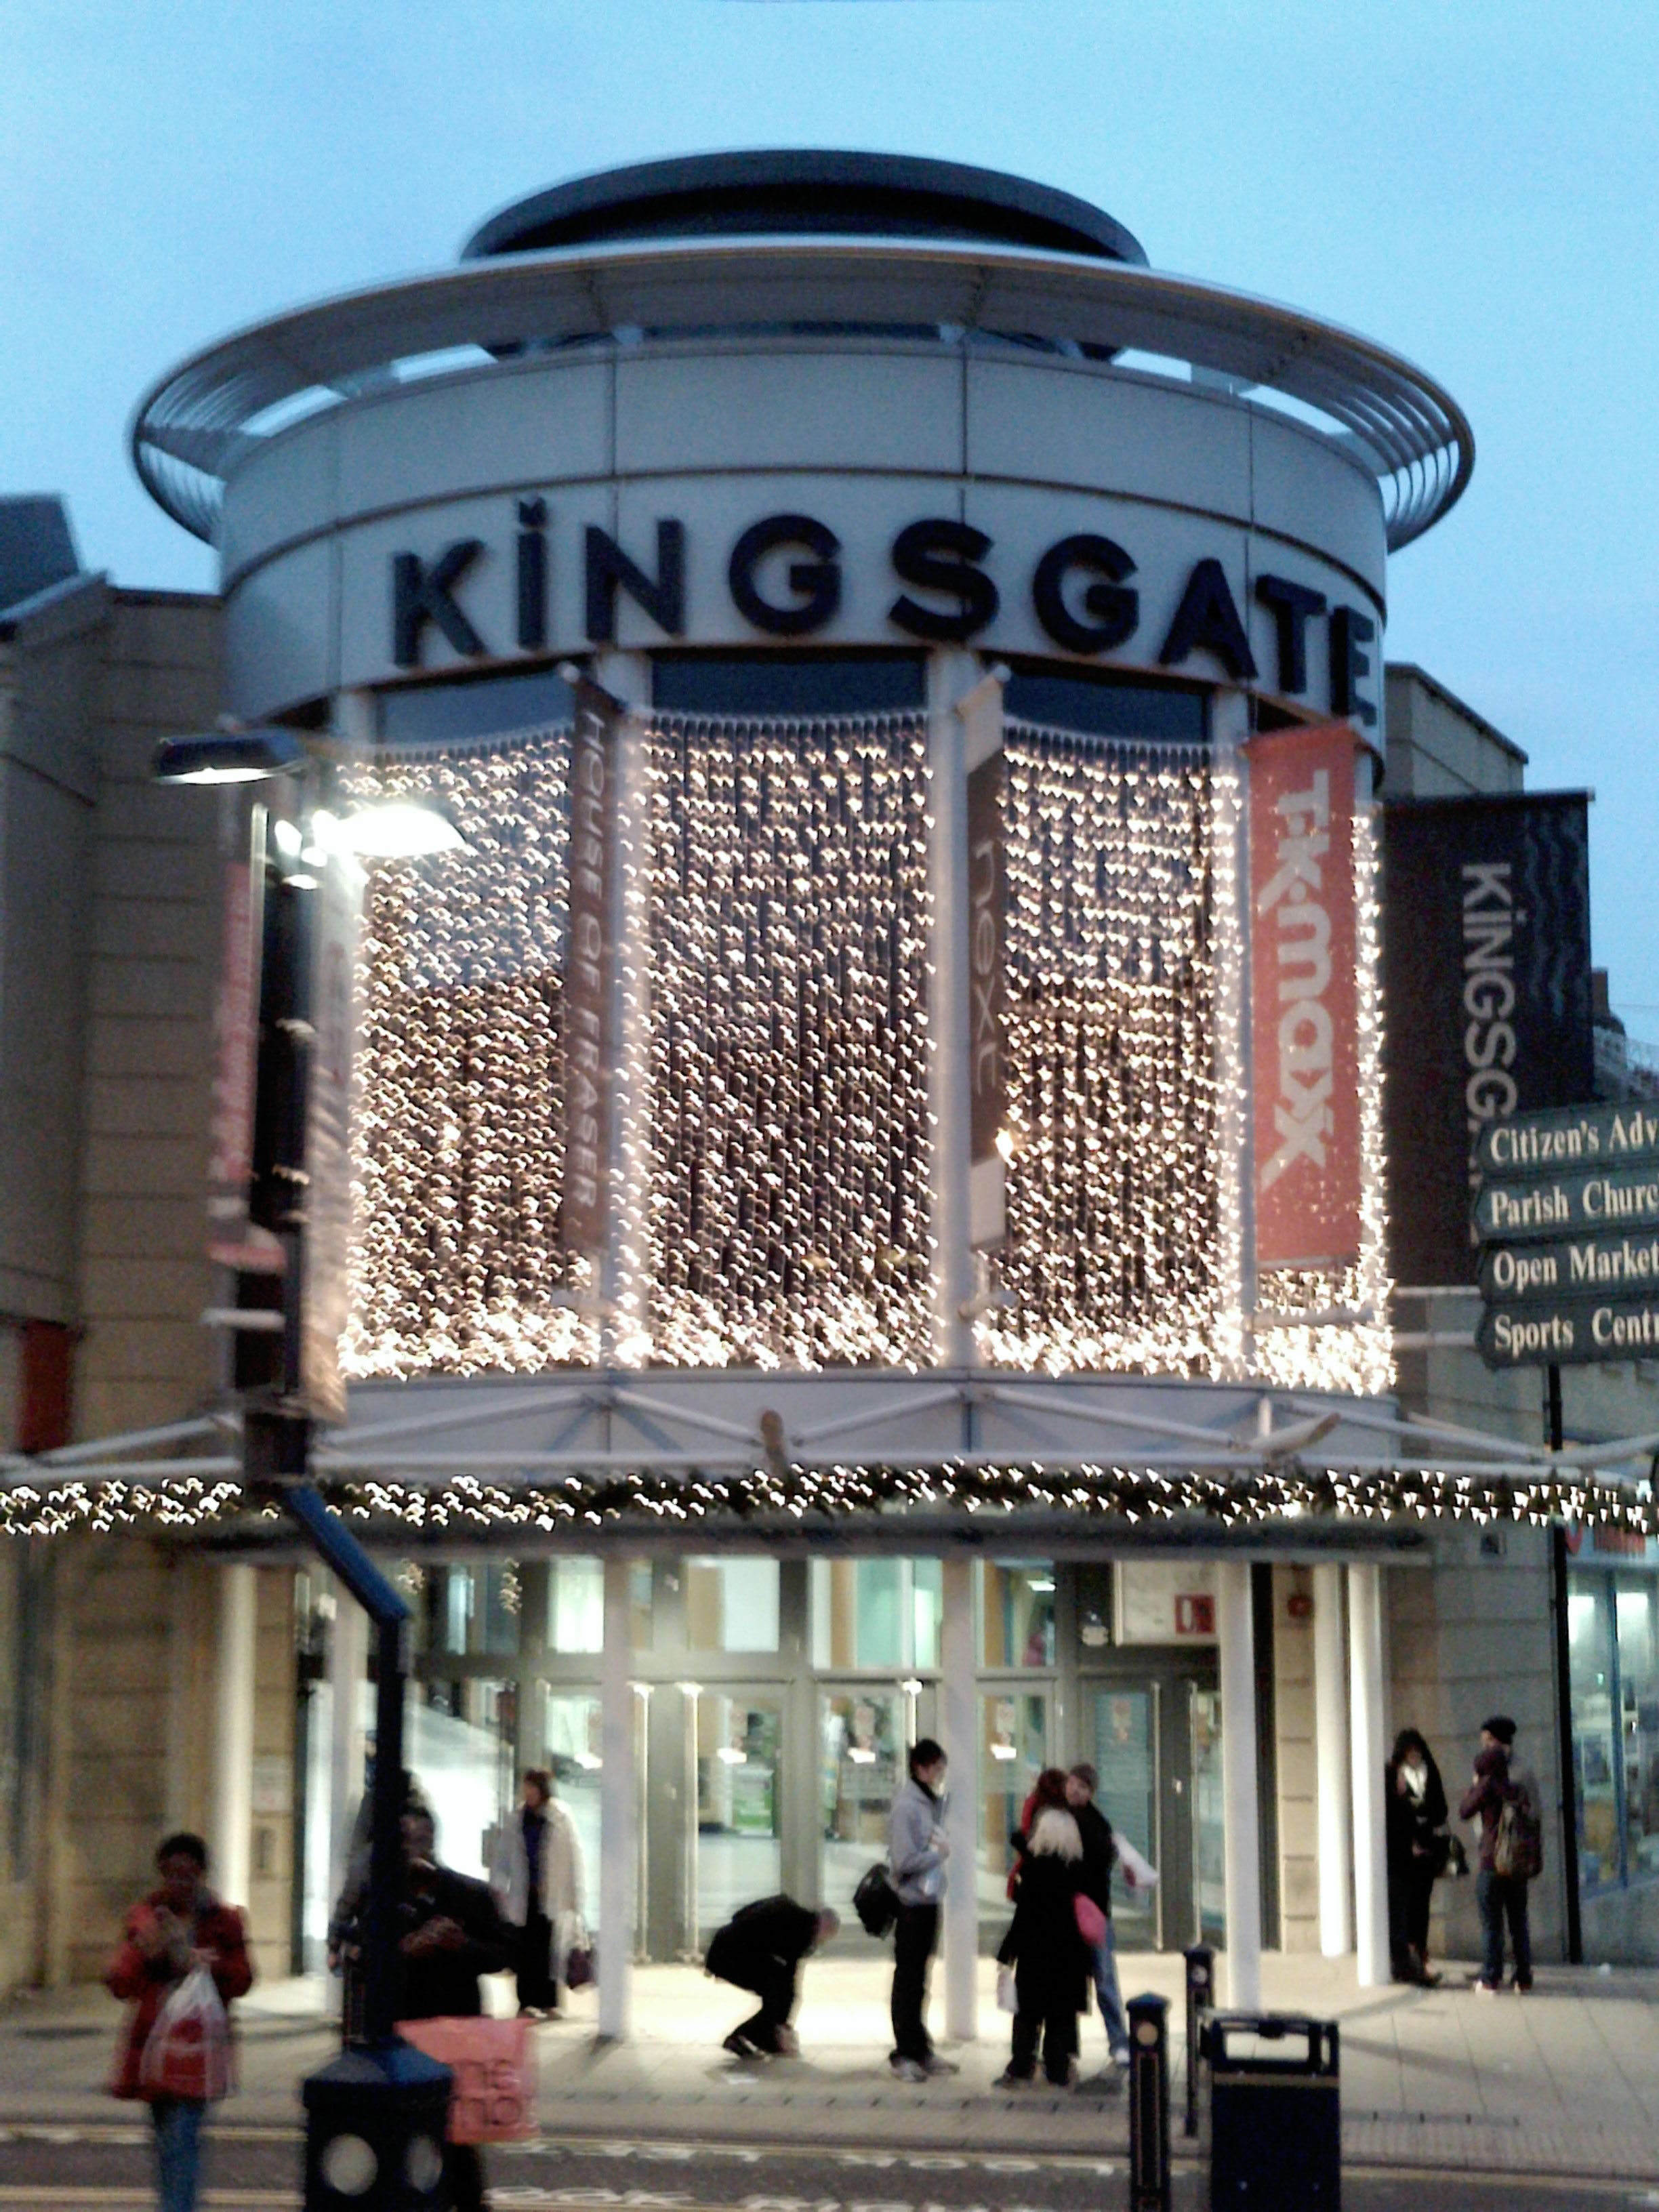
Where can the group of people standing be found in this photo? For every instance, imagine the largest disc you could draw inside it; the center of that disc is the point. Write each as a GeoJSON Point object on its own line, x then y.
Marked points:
{"type": "Point", "coordinates": [1503, 1796]}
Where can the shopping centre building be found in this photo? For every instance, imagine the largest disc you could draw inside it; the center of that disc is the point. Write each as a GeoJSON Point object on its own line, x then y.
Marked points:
{"type": "Point", "coordinates": [858, 1192]}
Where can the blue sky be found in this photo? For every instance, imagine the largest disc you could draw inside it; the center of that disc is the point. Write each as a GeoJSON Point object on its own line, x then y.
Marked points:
{"type": "Point", "coordinates": [1475, 186]}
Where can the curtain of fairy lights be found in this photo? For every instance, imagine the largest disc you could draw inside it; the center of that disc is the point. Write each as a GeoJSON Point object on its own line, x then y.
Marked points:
{"type": "Point", "coordinates": [457, 1142]}
{"type": "Point", "coordinates": [1114, 1258]}
{"type": "Point", "coordinates": [788, 919]}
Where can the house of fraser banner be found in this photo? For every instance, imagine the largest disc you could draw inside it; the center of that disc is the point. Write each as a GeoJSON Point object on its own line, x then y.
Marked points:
{"type": "Point", "coordinates": [1303, 997]}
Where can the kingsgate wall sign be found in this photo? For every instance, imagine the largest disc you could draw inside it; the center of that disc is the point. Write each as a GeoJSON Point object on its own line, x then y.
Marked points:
{"type": "Point", "coordinates": [1303, 996]}
{"type": "Point", "coordinates": [784, 577]}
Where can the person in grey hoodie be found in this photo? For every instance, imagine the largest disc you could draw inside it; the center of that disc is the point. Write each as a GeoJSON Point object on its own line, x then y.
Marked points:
{"type": "Point", "coordinates": [917, 1848]}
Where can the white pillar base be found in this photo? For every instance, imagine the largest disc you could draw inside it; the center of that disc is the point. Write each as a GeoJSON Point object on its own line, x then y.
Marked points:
{"type": "Point", "coordinates": [959, 1728]}
{"type": "Point", "coordinates": [230, 1838]}
{"type": "Point", "coordinates": [1240, 1811]}
{"type": "Point", "coordinates": [617, 1809]}
{"type": "Point", "coordinates": [1331, 1766]}
{"type": "Point", "coordinates": [1371, 1868]}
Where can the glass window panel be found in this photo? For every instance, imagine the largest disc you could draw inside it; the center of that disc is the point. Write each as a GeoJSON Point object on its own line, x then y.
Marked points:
{"type": "Point", "coordinates": [460, 1746]}
{"type": "Point", "coordinates": [569, 1748]}
{"type": "Point", "coordinates": [1126, 1759]}
{"type": "Point", "coordinates": [785, 683]}
{"type": "Point", "coordinates": [1638, 1700]}
{"type": "Point", "coordinates": [1013, 1752]}
{"type": "Point", "coordinates": [575, 1606]}
{"type": "Point", "coordinates": [1589, 1645]}
{"type": "Point", "coordinates": [927, 1612]}
{"type": "Point", "coordinates": [1209, 1827]}
{"type": "Point", "coordinates": [860, 1766]}
{"type": "Point", "coordinates": [880, 1613]}
{"type": "Point", "coordinates": [731, 1605]}
{"type": "Point", "coordinates": [640, 1589]}
{"type": "Point", "coordinates": [428, 714]}
{"type": "Point", "coordinates": [739, 1787]}
{"type": "Point", "coordinates": [1108, 708]}
{"type": "Point", "coordinates": [1017, 1613]}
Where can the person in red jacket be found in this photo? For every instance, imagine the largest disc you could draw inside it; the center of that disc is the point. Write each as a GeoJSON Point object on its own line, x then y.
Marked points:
{"type": "Point", "coordinates": [180, 1925]}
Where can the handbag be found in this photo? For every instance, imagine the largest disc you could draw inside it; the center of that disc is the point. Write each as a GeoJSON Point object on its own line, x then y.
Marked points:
{"type": "Point", "coordinates": [1091, 1921]}
{"type": "Point", "coordinates": [1007, 1999]}
{"type": "Point", "coordinates": [875, 1901]}
{"type": "Point", "coordinates": [493, 2096]}
{"type": "Point", "coordinates": [581, 1964]}
{"type": "Point", "coordinates": [187, 2051]}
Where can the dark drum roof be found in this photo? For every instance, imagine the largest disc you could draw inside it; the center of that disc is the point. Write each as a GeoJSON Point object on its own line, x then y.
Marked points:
{"type": "Point", "coordinates": [803, 192]}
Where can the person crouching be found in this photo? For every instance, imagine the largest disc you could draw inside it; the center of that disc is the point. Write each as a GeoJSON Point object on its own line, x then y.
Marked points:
{"type": "Point", "coordinates": [1050, 1959]}
{"type": "Point", "coordinates": [761, 1948]}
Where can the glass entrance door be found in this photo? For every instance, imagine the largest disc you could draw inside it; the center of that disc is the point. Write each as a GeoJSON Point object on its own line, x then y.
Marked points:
{"type": "Point", "coordinates": [862, 1763]}
{"type": "Point", "coordinates": [739, 1768]}
{"type": "Point", "coordinates": [1209, 1824]}
{"type": "Point", "coordinates": [1124, 1718]}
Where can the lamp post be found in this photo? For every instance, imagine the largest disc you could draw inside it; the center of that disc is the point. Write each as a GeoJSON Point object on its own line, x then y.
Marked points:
{"type": "Point", "coordinates": [375, 2115]}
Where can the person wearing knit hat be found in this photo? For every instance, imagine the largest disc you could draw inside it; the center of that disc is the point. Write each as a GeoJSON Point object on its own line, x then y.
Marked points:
{"type": "Point", "coordinates": [1496, 1786]}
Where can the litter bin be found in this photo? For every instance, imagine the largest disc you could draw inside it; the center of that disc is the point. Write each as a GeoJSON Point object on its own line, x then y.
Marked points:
{"type": "Point", "coordinates": [1275, 2122]}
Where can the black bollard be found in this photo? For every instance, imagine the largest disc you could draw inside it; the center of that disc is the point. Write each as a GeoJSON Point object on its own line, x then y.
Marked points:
{"type": "Point", "coordinates": [1201, 1999]}
{"type": "Point", "coordinates": [1149, 2105]}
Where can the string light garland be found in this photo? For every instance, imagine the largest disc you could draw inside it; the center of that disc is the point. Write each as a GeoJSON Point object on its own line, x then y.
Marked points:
{"type": "Point", "coordinates": [788, 993]}
{"type": "Point", "coordinates": [1131, 1496]}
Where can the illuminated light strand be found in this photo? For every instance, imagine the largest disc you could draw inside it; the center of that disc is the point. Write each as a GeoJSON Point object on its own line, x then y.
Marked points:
{"type": "Point", "coordinates": [1115, 1258]}
{"type": "Point", "coordinates": [1360, 1358]}
{"type": "Point", "coordinates": [458, 1138]}
{"type": "Point", "coordinates": [1112, 1492]}
{"type": "Point", "coordinates": [788, 936]}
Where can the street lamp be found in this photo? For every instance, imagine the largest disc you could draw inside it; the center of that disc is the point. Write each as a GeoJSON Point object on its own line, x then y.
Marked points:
{"type": "Point", "coordinates": [375, 2116]}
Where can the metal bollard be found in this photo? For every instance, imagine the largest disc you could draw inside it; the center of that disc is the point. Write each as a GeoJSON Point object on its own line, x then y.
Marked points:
{"type": "Point", "coordinates": [1149, 2105]}
{"type": "Point", "coordinates": [1200, 1998]}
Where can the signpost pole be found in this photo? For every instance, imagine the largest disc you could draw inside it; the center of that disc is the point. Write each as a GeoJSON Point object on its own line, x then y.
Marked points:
{"type": "Point", "coordinates": [1564, 1696]}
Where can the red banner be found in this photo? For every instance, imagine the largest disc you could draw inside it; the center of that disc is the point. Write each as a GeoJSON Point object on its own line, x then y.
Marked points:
{"type": "Point", "coordinates": [1303, 997]}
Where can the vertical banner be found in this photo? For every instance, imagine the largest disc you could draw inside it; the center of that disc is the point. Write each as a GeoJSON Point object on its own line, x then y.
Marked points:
{"type": "Point", "coordinates": [590, 1041]}
{"type": "Point", "coordinates": [337, 911]}
{"type": "Point", "coordinates": [988, 904]}
{"type": "Point", "coordinates": [232, 1241]}
{"type": "Point", "coordinates": [1303, 997]}
{"type": "Point", "coordinates": [1486, 978]}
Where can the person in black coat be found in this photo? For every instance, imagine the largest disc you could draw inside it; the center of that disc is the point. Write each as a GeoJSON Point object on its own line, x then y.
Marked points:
{"type": "Point", "coordinates": [761, 1948]}
{"type": "Point", "coordinates": [1050, 1959]}
{"type": "Point", "coordinates": [448, 1933]}
{"type": "Point", "coordinates": [1415, 1802]}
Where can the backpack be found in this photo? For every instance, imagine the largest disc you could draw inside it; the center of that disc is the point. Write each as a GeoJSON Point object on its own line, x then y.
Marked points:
{"type": "Point", "coordinates": [875, 1901]}
{"type": "Point", "coordinates": [1517, 1849]}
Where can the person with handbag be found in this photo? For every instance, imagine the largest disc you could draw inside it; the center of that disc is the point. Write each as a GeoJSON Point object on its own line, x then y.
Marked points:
{"type": "Point", "coordinates": [536, 1877]}
{"type": "Point", "coordinates": [1099, 1858]}
{"type": "Point", "coordinates": [182, 1949]}
{"type": "Point", "coordinates": [917, 1848]}
{"type": "Point", "coordinates": [449, 1933]}
{"type": "Point", "coordinates": [1046, 1947]}
{"type": "Point", "coordinates": [1414, 1802]}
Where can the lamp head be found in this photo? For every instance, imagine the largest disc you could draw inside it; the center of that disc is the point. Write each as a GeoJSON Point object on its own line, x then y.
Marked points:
{"type": "Point", "coordinates": [232, 756]}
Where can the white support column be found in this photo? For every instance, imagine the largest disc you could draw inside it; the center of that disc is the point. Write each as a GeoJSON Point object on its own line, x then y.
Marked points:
{"type": "Point", "coordinates": [1370, 1867]}
{"type": "Point", "coordinates": [950, 675]}
{"type": "Point", "coordinates": [1331, 1766]}
{"type": "Point", "coordinates": [617, 1809]}
{"type": "Point", "coordinates": [1240, 1811]}
{"type": "Point", "coordinates": [959, 1728]}
{"type": "Point", "coordinates": [230, 1837]}
{"type": "Point", "coordinates": [348, 1669]}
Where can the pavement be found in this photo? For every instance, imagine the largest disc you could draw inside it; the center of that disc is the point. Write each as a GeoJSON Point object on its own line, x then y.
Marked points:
{"type": "Point", "coordinates": [1564, 2081]}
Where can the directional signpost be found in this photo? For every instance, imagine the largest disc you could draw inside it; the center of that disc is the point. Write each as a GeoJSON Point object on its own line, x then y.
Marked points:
{"type": "Point", "coordinates": [1567, 1215]}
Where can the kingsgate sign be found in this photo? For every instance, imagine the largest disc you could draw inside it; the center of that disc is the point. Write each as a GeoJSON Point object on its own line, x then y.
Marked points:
{"type": "Point", "coordinates": [1303, 997]}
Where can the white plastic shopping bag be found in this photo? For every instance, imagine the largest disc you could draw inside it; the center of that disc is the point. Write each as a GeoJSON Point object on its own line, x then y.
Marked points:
{"type": "Point", "coordinates": [187, 2051]}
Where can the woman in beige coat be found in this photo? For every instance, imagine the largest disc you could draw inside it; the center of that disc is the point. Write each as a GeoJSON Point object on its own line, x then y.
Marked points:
{"type": "Point", "coordinates": [537, 1877]}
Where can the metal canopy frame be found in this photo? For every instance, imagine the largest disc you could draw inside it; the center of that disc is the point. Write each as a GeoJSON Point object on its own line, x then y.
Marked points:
{"type": "Point", "coordinates": [682, 1430]}
{"type": "Point", "coordinates": [201, 421]}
